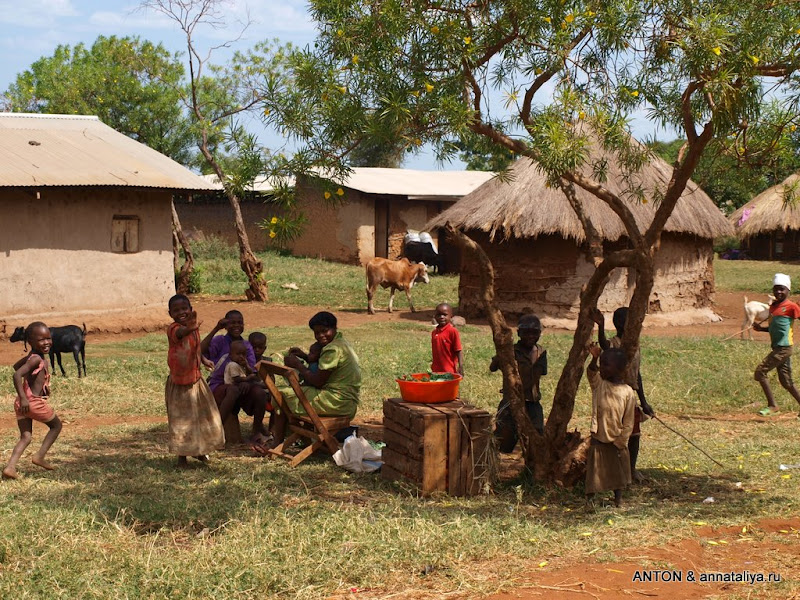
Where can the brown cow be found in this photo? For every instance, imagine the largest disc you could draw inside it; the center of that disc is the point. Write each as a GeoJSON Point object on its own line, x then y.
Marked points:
{"type": "Point", "coordinates": [395, 274]}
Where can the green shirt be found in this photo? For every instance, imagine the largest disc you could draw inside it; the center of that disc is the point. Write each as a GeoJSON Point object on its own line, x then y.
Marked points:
{"type": "Point", "coordinates": [781, 319]}
{"type": "Point", "coordinates": [339, 396]}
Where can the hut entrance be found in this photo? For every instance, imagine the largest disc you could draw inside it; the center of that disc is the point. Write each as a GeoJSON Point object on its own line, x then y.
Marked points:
{"type": "Point", "coordinates": [382, 227]}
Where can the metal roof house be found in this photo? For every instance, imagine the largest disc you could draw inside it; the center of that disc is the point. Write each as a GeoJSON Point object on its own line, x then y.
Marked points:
{"type": "Point", "coordinates": [368, 214]}
{"type": "Point", "coordinates": [86, 215]}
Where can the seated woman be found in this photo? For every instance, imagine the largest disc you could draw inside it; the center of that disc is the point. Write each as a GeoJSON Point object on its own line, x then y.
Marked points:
{"type": "Point", "coordinates": [333, 388]}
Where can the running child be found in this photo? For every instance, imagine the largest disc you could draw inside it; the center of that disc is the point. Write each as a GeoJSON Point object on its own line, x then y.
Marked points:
{"type": "Point", "coordinates": [532, 364]}
{"type": "Point", "coordinates": [448, 356]}
{"type": "Point", "coordinates": [32, 382]}
{"type": "Point", "coordinates": [782, 313]}
{"type": "Point", "coordinates": [195, 428]}
{"type": "Point", "coordinates": [608, 466]}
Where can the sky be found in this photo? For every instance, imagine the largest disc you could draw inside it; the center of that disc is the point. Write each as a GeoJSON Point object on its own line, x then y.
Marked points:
{"type": "Point", "coordinates": [30, 29]}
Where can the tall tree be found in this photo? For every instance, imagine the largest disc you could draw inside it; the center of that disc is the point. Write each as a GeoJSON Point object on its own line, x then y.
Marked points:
{"type": "Point", "coordinates": [215, 97]}
{"type": "Point", "coordinates": [131, 84]}
{"type": "Point", "coordinates": [550, 80]}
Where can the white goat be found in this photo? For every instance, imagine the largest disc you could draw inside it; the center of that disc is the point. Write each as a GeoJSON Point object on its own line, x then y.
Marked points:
{"type": "Point", "coordinates": [754, 311]}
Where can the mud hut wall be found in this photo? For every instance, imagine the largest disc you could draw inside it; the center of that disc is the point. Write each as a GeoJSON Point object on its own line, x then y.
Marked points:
{"type": "Point", "coordinates": [405, 214]}
{"type": "Point", "coordinates": [204, 216]}
{"type": "Point", "coordinates": [56, 251]}
{"type": "Point", "coordinates": [343, 232]}
{"type": "Point", "coordinates": [545, 276]}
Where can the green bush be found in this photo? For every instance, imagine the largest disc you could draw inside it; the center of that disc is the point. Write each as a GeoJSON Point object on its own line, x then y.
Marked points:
{"type": "Point", "coordinates": [195, 279]}
{"type": "Point", "coordinates": [213, 247]}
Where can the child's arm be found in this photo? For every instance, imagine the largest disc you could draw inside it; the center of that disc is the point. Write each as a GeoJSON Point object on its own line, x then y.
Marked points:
{"type": "Point", "coordinates": [295, 351]}
{"type": "Point", "coordinates": [598, 318]}
{"type": "Point", "coordinates": [646, 408]}
{"type": "Point", "coordinates": [22, 361]}
{"type": "Point", "coordinates": [191, 325]}
{"type": "Point", "coordinates": [206, 341]}
{"type": "Point", "coordinates": [19, 377]}
{"type": "Point", "coordinates": [460, 358]}
{"type": "Point", "coordinates": [627, 424]}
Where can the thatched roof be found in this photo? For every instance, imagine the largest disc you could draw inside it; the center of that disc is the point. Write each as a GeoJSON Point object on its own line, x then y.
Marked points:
{"type": "Point", "coordinates": [772, 210]}
{"type": "Point", "coordinates": [526, 207]}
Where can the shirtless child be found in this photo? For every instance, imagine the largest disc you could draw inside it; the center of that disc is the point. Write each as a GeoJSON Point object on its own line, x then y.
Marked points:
{"type": "Point", "coordinates": [32, 382]}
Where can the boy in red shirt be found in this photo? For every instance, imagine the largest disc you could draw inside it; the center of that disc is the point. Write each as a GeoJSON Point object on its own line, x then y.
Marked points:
{"type": "Point", "coordinates": [446, 343]}
{"type": "Point", "coordinates": [782, 313]}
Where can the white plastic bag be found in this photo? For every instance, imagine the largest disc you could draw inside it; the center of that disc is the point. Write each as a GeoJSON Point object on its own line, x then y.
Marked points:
{"type": "Point", "coordinates": [358, 456]}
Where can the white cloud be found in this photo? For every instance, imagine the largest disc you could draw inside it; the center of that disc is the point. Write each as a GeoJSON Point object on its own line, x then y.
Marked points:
{"type": "Point", "coordinates": [35, 13]}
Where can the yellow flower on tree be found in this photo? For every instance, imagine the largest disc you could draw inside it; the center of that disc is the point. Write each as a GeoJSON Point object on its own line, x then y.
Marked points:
{"type": "Point", "coordinates": [327, 195]}
{"type": "Point", "coordinates": [467, 40]}
{"type": "Point", "coordinates": [273, 220]}
{"type": "Point", "coordinates": [340, 192]}
{"type": "Point", "coordinates": [272, 233]}
{"type": "Point", "coordinates": [342, 89]}
{"type": "Point", "coordinates": [582, 115]}
{"type": "Point", "coordinates": [428, 87]}
{"type": "Point", "coordinates": [435, 29]}
{"type": "Point", "coordinates": [340, 32]}
{"type": "Point", "coordinates": [415, 93]}
{"type": "Point", "coordinates": [755, 59]}
{"type": "Point", "coordinates": [717, 50]}
{"type": "Point", "coordinates": [355, 59]}
{"type": "Point", "coordinates": [547, 19]}
{"type": "Point", "coordinates": [635, 93]}
{"type": "Point", "coordinates": [569, 18]}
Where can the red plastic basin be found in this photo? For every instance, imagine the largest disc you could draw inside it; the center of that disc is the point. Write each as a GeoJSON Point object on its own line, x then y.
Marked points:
{"type": "Point", "coordinates": [428, 392]}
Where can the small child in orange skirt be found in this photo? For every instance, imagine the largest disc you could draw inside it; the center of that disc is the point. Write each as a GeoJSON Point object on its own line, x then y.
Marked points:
{"type": "Point", "coordinates": [608, 465]}
{"type": "Point", "coordinates": [32, 382]}
{"type": "Point", "coordinates": [195, 427]}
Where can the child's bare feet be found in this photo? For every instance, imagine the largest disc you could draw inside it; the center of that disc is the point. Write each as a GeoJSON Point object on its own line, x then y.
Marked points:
{"type": "Point", "coordinates": [10, 473]}
{"type": "Point", "coordinates": [41, 462]}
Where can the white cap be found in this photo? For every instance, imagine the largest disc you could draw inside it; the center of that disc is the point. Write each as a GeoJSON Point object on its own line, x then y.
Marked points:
{"type": "Point", "coordinates": [782, 279]}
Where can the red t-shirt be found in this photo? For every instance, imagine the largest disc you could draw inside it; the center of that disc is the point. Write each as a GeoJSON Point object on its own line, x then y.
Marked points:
{"type": "Point", "coordinates": [183, 357]}
{"type": "Point", "coordinates": [445, 346]}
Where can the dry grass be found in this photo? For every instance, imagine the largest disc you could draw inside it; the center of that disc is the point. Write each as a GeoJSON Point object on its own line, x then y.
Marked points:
{"type": "Point", "coordinates": [117, 520]}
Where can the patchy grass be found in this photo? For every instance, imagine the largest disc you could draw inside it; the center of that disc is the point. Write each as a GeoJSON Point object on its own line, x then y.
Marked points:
{"type": "Point", "coordinates": [752, 275]}
{"type": "Point", "coordinates": [117, 520]}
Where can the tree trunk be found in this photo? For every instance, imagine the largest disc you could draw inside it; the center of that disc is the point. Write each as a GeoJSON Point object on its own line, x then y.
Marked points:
{"type": "Point", "coordinates": [257, 286]}
{"type": "Point", "coordinates": [185, 272]}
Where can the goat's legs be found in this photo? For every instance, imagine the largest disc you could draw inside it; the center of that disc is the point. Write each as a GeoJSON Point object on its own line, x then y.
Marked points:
{"type": "Point", "coordinates": [76, 354]}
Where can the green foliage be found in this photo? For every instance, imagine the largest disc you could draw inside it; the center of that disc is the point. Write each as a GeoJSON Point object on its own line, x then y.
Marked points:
{"type": "Point", "coordinates": [211, 247]}
{"type": "Point", "coordinates": [133, 85]}
{"type": "Point", "coordinates": [195, 279]}
{"type": "Point", "coordinates": [282, 231]}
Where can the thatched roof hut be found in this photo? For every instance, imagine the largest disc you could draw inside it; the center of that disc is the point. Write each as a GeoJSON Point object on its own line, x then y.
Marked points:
{"type": "Point", "coordinates": [769, 225]}
{"type": "Point", "coordinates": [536, 242]}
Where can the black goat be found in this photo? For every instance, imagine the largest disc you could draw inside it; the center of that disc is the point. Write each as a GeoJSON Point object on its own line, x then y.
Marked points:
{"type": "Point", "coordinates": [69, 338]}
{"type": "Point", "coordinates": [422, 252]}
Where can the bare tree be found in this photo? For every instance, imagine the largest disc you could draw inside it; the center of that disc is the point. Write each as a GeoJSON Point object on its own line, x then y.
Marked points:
{"type": "Point", "coordinates": [213, 101]}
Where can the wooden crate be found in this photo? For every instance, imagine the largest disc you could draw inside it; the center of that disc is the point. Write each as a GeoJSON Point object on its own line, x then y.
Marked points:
{"type": "Point", "coordinates": [437, 447]}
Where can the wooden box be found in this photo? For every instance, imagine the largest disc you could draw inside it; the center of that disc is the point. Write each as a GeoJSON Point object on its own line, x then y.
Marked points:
{"type": "Point", "coordinates": [437, 447]}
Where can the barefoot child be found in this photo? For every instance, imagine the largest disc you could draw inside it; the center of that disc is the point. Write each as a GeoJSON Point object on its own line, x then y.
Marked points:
{"type": "Point", "coordinates": [608, 466]}
{"type": "Point", "coordinates": [195, 428]}
{"type": "Point", "coordinates": [446, 348]}
{"type": "Point", "coordinates": [633, 377]}
{"type": "Point", "coordinates": [32, 382]}
{"type": "Point", "coordinates": [258, 341]}
{"type": "Point", "coordinates": [782, 313]}
{"type": "Point", "coordinates": [532, 364]}
{"type": "Point", "coordinates": [252, 399]}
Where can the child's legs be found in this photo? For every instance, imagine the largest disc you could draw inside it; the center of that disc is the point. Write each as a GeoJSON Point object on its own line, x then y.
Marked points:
{"type": "Point", "coordinates": [771, 361]}
{"type": "Point", "coordinates": [226, 397]}
{"type": "Point", "coordinates": [55, 430]}
{"type": "Point", "coordinates": [785, 377]}
{"type": "Point", "coordinates": [633, 450]}
{"type": "Point", "coordinates": [25, 436]}
{"type": "Point", "coordinates": [254, 403]}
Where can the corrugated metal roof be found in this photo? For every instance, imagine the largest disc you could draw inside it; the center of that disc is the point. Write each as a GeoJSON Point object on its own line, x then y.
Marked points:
{"type": "Point", "coordinates": [74, 150]}
{"type": "Point", "coordinates": [414, 183]}
{"type": "Point", "coordinates": [261, 184]}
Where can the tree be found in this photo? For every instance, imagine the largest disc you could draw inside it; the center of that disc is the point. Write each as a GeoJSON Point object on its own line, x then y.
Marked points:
{"type": "Point", "coordinates": [214, 101]}
{"type": "Point", "coordinates": [131, 84]}
{"type": "Point", "coordinates": [733, 174]}
{"type": "Point", "coordinates": [553, 81]}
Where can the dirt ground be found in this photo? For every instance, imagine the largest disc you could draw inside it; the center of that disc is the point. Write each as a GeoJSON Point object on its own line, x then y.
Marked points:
{"type": "Point", "coordinates": [748, 549]}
